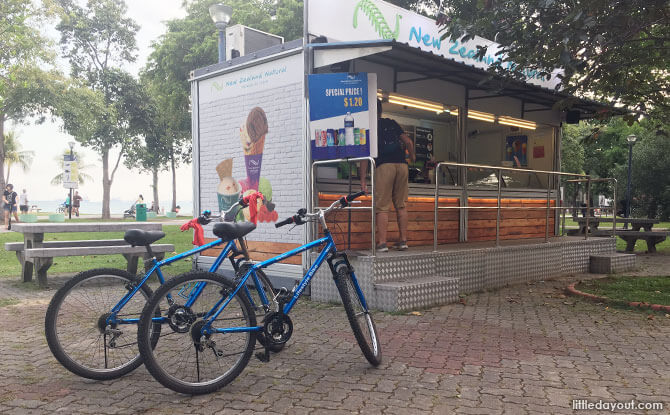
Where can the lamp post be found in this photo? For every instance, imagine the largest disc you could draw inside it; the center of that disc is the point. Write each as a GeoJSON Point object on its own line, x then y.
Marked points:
{"type": "Point", "coordinates": [71, 144]}
{"type": "Point", "coordinates": [631, 140]}
{"type": "Point", "coordinates": [220, 14]}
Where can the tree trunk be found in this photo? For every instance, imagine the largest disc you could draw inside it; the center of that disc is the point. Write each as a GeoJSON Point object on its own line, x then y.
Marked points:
{"type": "Point", "coordinates": [154, 173]}
{"type": "Point", "coordinates": [9, 167]}
{"type": "Point", "coordinates": [106, 185]}
{"type": "Point", "coordinates": [2, 159]}
{"type": "Point", "coordinates": [174, 183]}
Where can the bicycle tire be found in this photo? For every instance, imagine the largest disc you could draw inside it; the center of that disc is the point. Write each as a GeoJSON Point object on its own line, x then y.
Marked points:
{"type": "Point", "coordinates": [366, 334]}
{"type": "Point", "coordinates": [178, 345]}
{"type": "Point", "coordinates": [87, 297]}
{"type": "Point", "coordinates": [257, 305]}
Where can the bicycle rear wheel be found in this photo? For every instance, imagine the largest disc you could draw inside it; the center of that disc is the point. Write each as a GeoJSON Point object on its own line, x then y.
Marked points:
{"type": "Point", "coordinates": [76, 329]}
{"type": "Point", "coordinates": [359, 316]}
{"type": "Point", "coordinates": [183, 359]}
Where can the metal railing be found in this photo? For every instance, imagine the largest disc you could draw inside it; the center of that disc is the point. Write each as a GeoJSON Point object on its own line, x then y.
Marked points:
{"type": "Point", "coordinates": [552, 175]}
{"type": "Point", "coordinates": [371, 168]}
{"type": "Point", "coordinates": [552, 184]}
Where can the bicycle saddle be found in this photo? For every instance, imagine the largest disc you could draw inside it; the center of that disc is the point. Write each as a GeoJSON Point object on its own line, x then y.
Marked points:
{"type": "Point", "coordinates": [229, 231]}
{"type": "Point", "coordinates": [137, 237]}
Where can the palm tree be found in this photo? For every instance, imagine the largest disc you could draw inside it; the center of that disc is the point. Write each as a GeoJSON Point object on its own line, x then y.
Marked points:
{"type": "Point", "coordinates": [82, 176]}
{"type": "Point", "coordinates": [14, 155]}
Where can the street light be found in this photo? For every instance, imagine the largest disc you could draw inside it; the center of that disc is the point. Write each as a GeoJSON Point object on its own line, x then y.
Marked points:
{"type": "Point", "coordinates": [631, 140]}
{"type": "Point", "coordinates": [220, 14]}
{"type": "Point", "coordinates": [71, 144]}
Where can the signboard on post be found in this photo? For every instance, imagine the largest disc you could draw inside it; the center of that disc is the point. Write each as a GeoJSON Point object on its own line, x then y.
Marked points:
{"type": "Point", "coordinates": [70, 171]}
{"type": "Point", "coordinates": [343, 115]}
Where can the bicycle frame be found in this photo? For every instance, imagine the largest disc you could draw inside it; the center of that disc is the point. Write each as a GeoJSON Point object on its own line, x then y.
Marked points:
{"type": "Point", "coordinates": [156, 267]}
{"type": "Point", "coordinates": [329, 250]}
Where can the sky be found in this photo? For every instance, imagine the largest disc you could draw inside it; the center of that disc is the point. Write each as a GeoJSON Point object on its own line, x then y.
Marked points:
{"type": "Point", "coordinates": [48, 140]}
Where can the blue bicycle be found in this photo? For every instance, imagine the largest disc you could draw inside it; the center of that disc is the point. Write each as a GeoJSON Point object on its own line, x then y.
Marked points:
{"type": "Point", "coordinates": [210, 330]}
{"type": "Point", "coordinates": [91, 321]}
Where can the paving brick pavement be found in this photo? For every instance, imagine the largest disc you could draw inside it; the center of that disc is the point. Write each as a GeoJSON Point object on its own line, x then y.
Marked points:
{"type": "Point", "coordinates": [525, 349]}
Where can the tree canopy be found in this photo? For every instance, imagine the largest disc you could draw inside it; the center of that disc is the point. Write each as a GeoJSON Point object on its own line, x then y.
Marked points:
{"type": "Point", "coordinates": [610, 50]}
{"type": "Point", "coordinates": [27, 87]}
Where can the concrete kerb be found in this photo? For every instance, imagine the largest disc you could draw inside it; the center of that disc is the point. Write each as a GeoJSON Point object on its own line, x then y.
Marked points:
{"type": "Point", "coordinates": [636, 304]}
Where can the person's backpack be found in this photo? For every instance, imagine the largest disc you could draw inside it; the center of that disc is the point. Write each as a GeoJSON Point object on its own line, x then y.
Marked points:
{"type": "Point", "coordinates": [389, 139]}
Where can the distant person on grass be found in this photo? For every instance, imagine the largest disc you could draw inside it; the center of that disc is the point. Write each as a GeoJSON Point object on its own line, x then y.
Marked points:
{"type": "Point", "coordinates": [76, 202]}
{"type": "Point", "coordinates": [23, 201]}
{"type": "Point", "coordinates": [9, 200]}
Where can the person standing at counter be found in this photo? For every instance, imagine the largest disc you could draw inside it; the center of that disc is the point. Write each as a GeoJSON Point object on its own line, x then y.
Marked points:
{"type": "Point", "coordinates": [391, 176]}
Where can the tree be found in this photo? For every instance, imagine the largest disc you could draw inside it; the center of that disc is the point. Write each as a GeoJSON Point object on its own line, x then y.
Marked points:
{"type": "Point", "coordinates": [97, 40]}
{"type": "Point", "coordinates": [651, 169]}
{"type": "Point", "coordinates": [82, 166]}
{"type": "Point", "coordinates": [614, 51]}
{"type": "Point", "coordinates": [26, 89]}
{"type": "Point", "coordinates": [14, 155]}
{"type": "Point", "coordinates": [151, 152]}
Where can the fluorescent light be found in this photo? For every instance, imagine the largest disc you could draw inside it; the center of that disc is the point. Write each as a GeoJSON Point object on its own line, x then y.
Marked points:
{"type": "Point", "coordinates": [414, 105]}
{"type": "Point", "coordinates": [482, 116]}
{"type": "Point", "coordinates": [516, 122]}
{"type": "Point", "coordinates": [453, 112]}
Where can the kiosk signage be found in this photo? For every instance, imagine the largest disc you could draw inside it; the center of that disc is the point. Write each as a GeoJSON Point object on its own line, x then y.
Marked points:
{"type": "Point", "coordinates": [360, 20]}
{"type": "Point", "coordinates": [343, 124]}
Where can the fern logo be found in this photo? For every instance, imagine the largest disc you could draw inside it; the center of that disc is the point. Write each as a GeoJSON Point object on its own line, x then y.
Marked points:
{"type": "Point", "coordinates": [368, 8]}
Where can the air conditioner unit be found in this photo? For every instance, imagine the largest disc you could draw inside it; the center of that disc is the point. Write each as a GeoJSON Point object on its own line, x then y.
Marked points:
{"type": "Point", "coordinates": [246, 40]}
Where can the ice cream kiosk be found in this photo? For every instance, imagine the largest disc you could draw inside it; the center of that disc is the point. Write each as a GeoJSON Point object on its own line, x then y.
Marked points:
{"type": "Point", "coordinates": [288, 120]}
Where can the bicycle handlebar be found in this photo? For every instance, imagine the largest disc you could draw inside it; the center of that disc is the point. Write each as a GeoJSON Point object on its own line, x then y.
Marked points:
{"type": "Point", "coordinates": [302, 213]}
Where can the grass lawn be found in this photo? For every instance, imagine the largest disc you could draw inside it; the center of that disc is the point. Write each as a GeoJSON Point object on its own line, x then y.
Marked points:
{"type": "Point", "coordinates": [653, 290]}
{"type": "Point", "coordinates": [9, 265]}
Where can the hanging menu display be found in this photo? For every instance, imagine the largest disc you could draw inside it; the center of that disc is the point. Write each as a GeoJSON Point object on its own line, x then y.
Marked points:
{"type": "Point", "coordinates": [423, 145]}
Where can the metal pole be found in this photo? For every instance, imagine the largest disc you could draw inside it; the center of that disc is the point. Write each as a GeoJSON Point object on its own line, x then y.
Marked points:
{"type": "Point", "coordinates": [222, 46]}
{"type": "Point", "coordinates": [437, 198]}
{"type": "Point", "coordinates": [498, 210]}
{"type": "Point", "coordinates": [546, 220]}
{"type": "Point", "coordinates": [70, 204]}
{"type": "Point", "coordinates": [372, 194]}
{"type": "Point", "coordinates": [628, 196]}
{"type": "Point", "coordinates": [614, 209]}
{"type": "Point", "coordinates": [588, 207]}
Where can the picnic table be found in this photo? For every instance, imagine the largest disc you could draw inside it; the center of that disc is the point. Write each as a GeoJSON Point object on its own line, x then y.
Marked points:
{"type": "Point", "coordinates": [635, 223]}
{"type": "Point", "coordinates": [631, 236]}
{"type": "Point", "coordinates": [36, 254]}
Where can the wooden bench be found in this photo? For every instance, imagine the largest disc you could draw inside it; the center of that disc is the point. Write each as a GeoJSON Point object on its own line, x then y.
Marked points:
{"type": "Point", "coordinates": [37, 255]}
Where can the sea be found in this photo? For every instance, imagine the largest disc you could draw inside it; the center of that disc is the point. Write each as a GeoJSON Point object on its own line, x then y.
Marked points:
{"type": "Point", "coordinates": [116, 206]}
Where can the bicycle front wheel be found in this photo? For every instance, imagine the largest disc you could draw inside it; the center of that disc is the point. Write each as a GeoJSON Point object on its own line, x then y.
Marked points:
{"type": "Point", "coordinates": [359, 316]}
{"type": "Point", "coordinates": [76, 325]}
{"type": "Point", "coordinates": [183, 359]}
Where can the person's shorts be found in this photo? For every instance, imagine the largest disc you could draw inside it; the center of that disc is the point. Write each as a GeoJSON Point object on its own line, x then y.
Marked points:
{"type": "Point", "coordinates": [7, 207]}
{"type": "Point", "coordinates": [24, 208]}
{"type": "Point", "coordinates": [391, 186]}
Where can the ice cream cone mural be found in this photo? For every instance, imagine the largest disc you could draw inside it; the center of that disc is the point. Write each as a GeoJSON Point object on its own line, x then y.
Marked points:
{"type": "Point", "coordinates": [228, 190]}
{"type": "Point", "coordinates": [252, 136]}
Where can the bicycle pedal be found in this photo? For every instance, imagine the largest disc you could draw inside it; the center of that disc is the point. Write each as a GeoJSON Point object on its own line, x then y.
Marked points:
{"type": "Point", "coordinates": [263, 356]}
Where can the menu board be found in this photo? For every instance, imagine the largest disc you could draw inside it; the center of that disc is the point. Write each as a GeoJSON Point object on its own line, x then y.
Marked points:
{"type": "Point", "coordinates": [423, 145]}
